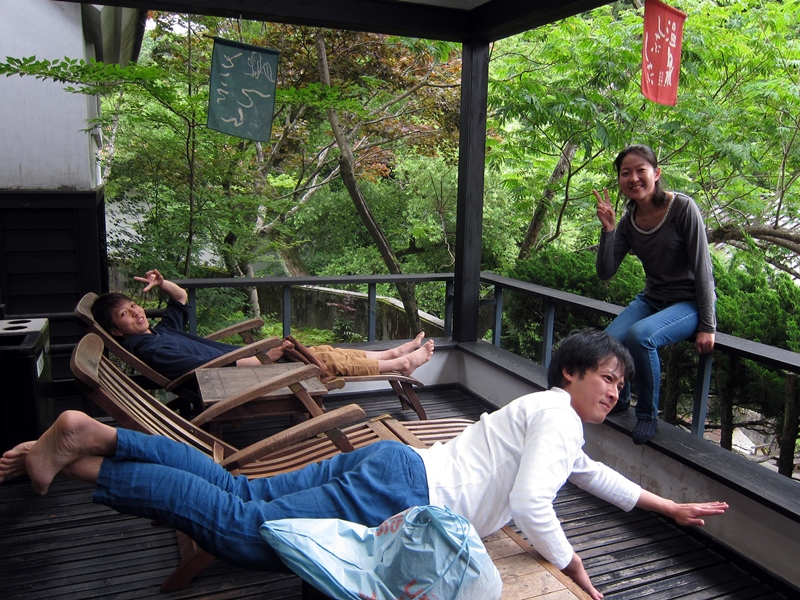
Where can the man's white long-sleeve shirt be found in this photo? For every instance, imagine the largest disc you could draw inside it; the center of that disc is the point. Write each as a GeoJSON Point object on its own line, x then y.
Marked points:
{"type": "Point", "coordinates": [510, 465]}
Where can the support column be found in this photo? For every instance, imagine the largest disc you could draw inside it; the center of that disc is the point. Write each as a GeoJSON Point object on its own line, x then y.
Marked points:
{"type": "Point", "coordinates": [471, 158]}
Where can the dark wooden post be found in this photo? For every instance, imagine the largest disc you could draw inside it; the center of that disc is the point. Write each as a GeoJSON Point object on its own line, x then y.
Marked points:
{"type": "Point", "coordinates": [791, 415]}
{"type": "Point", "coordinates": [471, 156]}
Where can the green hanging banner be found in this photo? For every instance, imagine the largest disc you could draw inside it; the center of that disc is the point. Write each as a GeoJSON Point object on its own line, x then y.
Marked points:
{"type": "Point", "coordinates": [241, 96]}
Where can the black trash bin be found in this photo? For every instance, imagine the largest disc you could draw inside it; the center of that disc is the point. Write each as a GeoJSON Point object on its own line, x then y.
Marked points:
{"type": "Point", "coordinates": [26, 402]}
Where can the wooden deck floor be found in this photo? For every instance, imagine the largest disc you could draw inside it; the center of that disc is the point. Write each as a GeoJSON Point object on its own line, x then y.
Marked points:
{"type": "Point", "coordinates": [64, 547]}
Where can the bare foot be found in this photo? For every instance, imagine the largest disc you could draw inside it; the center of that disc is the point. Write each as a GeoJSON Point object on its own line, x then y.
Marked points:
{"type": "Point", "coordinates": [408, 364]}
{"type": "Point", "coordinates": [73, 436]}
{"type": "Point", "coordinates": [398, 351]}
{"type": "Point", "coordinates": [414, 344]}
{"type": "Point", "coordinates": [12, 463]}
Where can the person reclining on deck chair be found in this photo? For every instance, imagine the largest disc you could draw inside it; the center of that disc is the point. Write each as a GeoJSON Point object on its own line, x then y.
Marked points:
{"type": "Point", "coordinates": [508, 465]}
{"type": "Point", "coordinates": [171, 351]}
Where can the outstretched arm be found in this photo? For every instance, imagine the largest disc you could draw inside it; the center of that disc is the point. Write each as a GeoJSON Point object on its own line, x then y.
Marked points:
{"type": "Point", "coordinates": [154, 278]}
{"type": "Point", "coordinates": [684, 514]}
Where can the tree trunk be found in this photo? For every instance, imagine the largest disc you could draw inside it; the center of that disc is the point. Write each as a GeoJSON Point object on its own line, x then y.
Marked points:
{"type": "Point", "coordinates": [191, 152]}
{"type": "Point", "coordinates": [236, 269]}
{"type": "Point", "coordinates": [791, 418]}
{"type": "Point", "coordinates": [347, 173]}
{"type": "Point", "coordinates": [293, 263]}
{"type": "Point", "coordinates": [111, 145]}
{"type": "Point", "coordinates": [252, 294]}
{"type": "Point", "coordinates": [542, 208]}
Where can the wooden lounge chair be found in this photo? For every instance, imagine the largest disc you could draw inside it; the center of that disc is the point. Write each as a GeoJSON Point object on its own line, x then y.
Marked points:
{"type": "Point", "coordinates": [403, 385]}
{"type": "Point", "coordinates": [185, 386]}
{"type": "Point", "coordinates": [134, 408]}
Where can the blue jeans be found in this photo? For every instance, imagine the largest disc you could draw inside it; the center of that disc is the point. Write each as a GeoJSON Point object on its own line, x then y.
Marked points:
{"type": "Point", "coordinates": [154, 477]}
{"type": "Point", "coordinates": [643, 327]}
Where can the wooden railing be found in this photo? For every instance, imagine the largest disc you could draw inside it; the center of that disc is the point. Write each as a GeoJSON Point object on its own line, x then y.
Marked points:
{"type": "Point", "coordinates": [767, 355]}
{"type": "Point", "coordinates": [286, 284]}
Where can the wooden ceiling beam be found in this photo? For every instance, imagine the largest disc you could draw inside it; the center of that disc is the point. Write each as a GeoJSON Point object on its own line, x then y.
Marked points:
{"type": "Point", "coordinates": [503, 18]}
{"type": "Point", "coordinates": [391, 18]}
{"type": "Point", "coordinates": [491, 21]}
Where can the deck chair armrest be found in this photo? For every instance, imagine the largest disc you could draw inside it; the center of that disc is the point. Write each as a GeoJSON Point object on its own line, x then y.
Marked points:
{"type": "Point", "coordinates": [237, 328]}
{"type": "Point", "coordinates": [228, 359]}
{"type": "Point", "coordinates": [257, 391]}
{"type": "Point", "coordinates": [298, 433]}
{"type": "Point", "coordinates": [385, 376]}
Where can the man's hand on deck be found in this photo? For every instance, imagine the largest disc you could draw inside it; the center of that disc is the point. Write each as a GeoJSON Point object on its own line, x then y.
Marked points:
{"type": "Point", "coordinates": [575, 571]}
{"type": "Point", "coordinates": [690, 513]}
{"type": "Point", "coordinates": [693, 513]}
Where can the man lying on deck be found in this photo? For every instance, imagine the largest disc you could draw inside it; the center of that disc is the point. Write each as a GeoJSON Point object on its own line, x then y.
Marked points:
{"type": "Point", "coordinates": [171, 351]}
{"type": "Point", "coordinates": [508, 465]}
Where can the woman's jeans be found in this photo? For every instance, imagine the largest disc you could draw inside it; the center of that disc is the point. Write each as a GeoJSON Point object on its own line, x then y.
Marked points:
{"type": "Point", "coordinates": [643, 327]}
{"type": "Point", "coordinates": [154, 477]}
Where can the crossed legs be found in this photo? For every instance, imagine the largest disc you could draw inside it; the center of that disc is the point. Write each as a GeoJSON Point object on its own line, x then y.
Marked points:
{"type": "Point", "coordinates": [154, 477]}
{"type": "Point", "coordinates": [404, 358]}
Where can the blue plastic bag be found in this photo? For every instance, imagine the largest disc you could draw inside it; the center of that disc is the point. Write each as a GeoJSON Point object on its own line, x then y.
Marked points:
{"type": "Point", "coordinates": [424, 553]}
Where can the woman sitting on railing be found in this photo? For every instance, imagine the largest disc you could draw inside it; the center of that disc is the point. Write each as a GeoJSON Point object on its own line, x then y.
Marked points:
{"type": "Point", "coordinates": [666, 231]}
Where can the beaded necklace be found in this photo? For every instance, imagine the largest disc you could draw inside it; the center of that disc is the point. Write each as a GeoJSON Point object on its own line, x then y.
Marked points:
{"type": "Point", "coordinates": [657, 227]}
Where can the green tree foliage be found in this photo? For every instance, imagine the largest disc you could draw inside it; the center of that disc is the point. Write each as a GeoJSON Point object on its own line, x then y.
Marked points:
{"type": "Point", "coordinates": [565, 99]}
{"type": "Point", "coordinates": [572, 272]}
{"type": "Point", "coordinates": [187, 196]}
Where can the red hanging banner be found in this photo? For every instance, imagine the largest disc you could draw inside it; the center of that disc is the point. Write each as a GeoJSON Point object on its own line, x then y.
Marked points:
{"type": "Point", "coordinates": [661, 51]}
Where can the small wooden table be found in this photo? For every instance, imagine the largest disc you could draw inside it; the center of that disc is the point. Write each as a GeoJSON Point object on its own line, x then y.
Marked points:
{"type": "Point", "coordinates": [222, 383]}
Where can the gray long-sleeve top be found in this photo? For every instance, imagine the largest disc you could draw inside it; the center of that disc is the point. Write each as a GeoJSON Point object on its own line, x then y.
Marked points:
{"type": "Point", "coordinates": [676, 259]}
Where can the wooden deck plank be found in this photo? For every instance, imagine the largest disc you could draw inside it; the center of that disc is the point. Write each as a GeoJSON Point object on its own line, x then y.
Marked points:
{"type": "Point", "coordinates": [641, 554]}
{"type": "Point", "coordinates": [525, 577]}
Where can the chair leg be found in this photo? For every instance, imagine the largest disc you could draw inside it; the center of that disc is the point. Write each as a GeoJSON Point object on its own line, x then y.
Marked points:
{"type": "Point", "coordinates": [340, 440]}
{"type": "Point", "coordinates": [193, 561]}
{"type": "Point", "coordinates": [408, 398]}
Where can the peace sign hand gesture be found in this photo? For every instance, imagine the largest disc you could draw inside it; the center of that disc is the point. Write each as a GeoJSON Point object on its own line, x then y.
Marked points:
{"type": "Point", "coordinates": [152, 278]}
{"type": "Point", "coordinates": [605, 212]}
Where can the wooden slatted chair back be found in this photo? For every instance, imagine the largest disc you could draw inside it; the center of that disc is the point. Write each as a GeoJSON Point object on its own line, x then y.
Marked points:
{"type": "Point", "coordinates": [129, 404]}
{"type": "Point", "coordinates": [83, 311]}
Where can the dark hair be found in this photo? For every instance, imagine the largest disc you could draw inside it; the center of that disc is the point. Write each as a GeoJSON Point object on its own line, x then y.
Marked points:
{"type": "Point", "coordinates": [645, 152]}
{"type": "Point", "coordinates": [584, 350]}
{"type": "Point", "coordinates": [104, 307]}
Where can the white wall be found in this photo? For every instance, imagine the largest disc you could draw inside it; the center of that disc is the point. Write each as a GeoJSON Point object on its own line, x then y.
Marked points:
{"type": "Point", "coordinates": [44, 145]}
